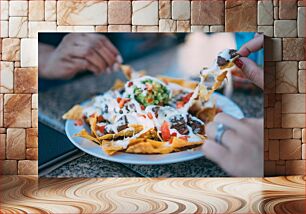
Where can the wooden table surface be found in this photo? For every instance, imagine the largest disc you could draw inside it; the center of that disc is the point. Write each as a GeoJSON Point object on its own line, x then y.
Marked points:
{"type": "Point", "coordinates": [138, 195]}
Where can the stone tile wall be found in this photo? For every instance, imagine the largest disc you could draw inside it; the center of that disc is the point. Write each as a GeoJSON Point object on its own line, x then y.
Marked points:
{"type": "Point", "coordinates": [283, 20]}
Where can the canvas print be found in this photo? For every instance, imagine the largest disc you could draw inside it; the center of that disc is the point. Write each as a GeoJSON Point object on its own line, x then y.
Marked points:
{"type": "Point", "coordinates": [151, 104]}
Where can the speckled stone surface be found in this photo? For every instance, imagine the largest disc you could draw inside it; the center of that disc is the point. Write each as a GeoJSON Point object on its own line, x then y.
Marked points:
{"type": "Point", "coordinates": [53, 103]}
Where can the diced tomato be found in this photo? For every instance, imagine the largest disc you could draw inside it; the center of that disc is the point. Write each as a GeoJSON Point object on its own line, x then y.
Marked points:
{"type": "Point", "coordinates": [123, 101]}
{"type": "Point", "coordinates": [92, 115]}
{"type": "Point", "coordinates": [100, 118]}
{"type": "Point", "coordinates": [166, 81]}
{"type": "Point", "coordinates": [150, 115]}
{"type": "Point", "coordinates": [184, 138]}
{"type": "Point", "coordinates": [180, 104]}
{"type": "Point", "coordinates": [119, 99]}
{"type": "Point", "coordinates": [150, 100]}
{"type": "Point", "coordinates": [165, 131]}
{"type": "Point", "coordinates": [101, 129]}
{"type": "Point", "coordinates": [187, 97]}
{"type": "Point", "coordinates": [78, 122]}
{"type": "Point", "coordinates": [142, 107]}
{"type": "Point", "coordinates": [130, 84]}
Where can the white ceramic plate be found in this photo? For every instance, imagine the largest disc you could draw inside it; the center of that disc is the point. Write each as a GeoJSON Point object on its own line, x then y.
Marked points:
{"type": "Point", "coordinates": [92, 148]}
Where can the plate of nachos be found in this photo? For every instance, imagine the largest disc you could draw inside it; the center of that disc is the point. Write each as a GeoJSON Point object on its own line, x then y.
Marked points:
{"type": "Point", "coordinates": [151, 120]}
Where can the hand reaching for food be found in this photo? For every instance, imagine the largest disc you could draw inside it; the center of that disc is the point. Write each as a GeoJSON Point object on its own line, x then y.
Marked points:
{"type": "Point", "coordinates": [236, 145]}
{"type": "Point", "coordinates": [249, 67]}
{"type": "Point", "coordinates": [78, 53]}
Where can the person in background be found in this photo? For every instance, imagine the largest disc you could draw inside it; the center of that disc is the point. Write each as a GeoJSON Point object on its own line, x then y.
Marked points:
{"type": "Point", "coordinates": [237, 145]}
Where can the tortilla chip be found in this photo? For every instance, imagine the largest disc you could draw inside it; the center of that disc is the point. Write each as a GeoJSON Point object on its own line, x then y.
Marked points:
{"type": "Point", "coordinates": [148, 148]}
{"type": "Point", "coordinates": [109, 148]}
{"type": "Point", "coordinates": [181, 82]}
{"type": "Point", "coordinates": [129, 132]}
{"type": "Point", "coordinates": [93, 124]}
{"type": "Point", "coordinates": [75, 113]}
{"type": "Point", "coordinates": [118, 85]}
{"type": "Point", "coordinates": [207, 114]}
{"type": "Point", "coordinates": [84, 134]}
{"type": "Point", "coordinates": [180, 143]}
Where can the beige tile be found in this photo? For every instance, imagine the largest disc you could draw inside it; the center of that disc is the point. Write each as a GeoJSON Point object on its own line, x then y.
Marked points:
{"type": "Point", "coordinates": [75, 28]}
{"type": "Point", "coordinates": [4, 8]}
{"type": "Point", "coordinates": [295, 167]}
{"type": "Point", "coordinates": [304, 151]}
{"type": "Point", "coordinates": [269, 118]}
{"type": "Point", "coordinates": [32, 154]}
{"type": "Point", "coordinates": [8, 167]}
{"type": "Point", "coordinates": [145, 13]}
{"type": "Point", "coordinates": [286, 77]}
{"type": "Point", "coordinates": [183, 26]}
{"type": "Point", "coordinates": [293, 103]}
{"type": "Point", "coordinates": [91, 12]}
{"type": "Point", "coordinates": [275, 3]}
{"type": "Point", "coordinates": [293, 120]}
{"type": "Point", "coordinates": [146, 28]}
{"type": "Point", "coordinates": [301, 21]}
{"type": "Point", "coordinates": [293, 48]}
{"type": "Point", "coordinates": [18, 27]}
{"type": "Point", "coordinates": [4, 29]}
{"type": "Point", "coordinates": [25, 80]}
{"type": "Point", "coordinates": [11, 49]}
{"type": "Point", "coordinates": [40, 26]}
{"type": "Point", "coordinates": [50, 10]}
{"type": "Point", "coordinates": [7, 77]}
{"type": "Point", "coordinates": [273, 49]}
{"type": "Point", "coordinates": [199, 28]}
{"type": "Point", "coordinates": [280, 134]}
{"type": "Point", "coordinates": [15, 144]}
{"type": "Point", "coordinates": [275, 13]}
{"type": "Point", "coordinates": [297, 133]}
{"type": "Point", "coordinates": [266, 30]}
{"type": "Point", "coordinates": [34, 118]}
{"type": "Point", "coordinates": [18, 8]}
{"type": "Point", "coordinates": [301, 3]}
{"type": "Point", "coordinates": [34, 101]}
{"type": "Point", "coordinates": [17, 64]}
{"type": "Point", "coordinates": [29, 51]}
{"type": "Point", "coordinates": [273, 150]}
{"type": "Point", "coordinates": [2, 146]}
{"type": "Point", "coordinates": [101, 28]}
{"type": "Point", "coordinates": [32, 138]}
{"type": "Point", "coordinates": [27, 167]}
{"type": "Point", "coordinates": [207, 12]}
{"type": "Point", "coordinates": [290, 149]}
{"type": "Point", "coordinates": [180, 10]}
{"type": "Point", "coordinates": [302, 65]}
{"type": "Point", "coordinates": [119, 28]}
{"type": "Point", "coordinates": [36, 10]}
{"type": "Point", "coordinates": [2, 130]}
{"type": "Point", "coordinates": [285, 28]}
{"type": "Point", "coordinates": [167, 25]}
{"type": "Point", "coordinates": [134, 29]}
{"type": "Point", "coordinates": [119, 12]}
{"type": "Point", "coordinates": [216, 28]}
{"type": "Point", "coordinates": [287, 9]}
{"type": "Point", "coordinates": [304, 135]}
{"type": "Point", "coordinates": [164, 9]}
{"type": "Point", "coordinates": [301, 81]}
{"type": "Point", "coordinates": [265, 12]}
{"type": "Point", "coordinates": [17, 110]}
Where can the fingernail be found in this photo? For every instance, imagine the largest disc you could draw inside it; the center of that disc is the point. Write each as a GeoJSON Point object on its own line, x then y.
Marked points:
{"type": "Point", "coordinates": [239, 63]}
{"type": "Point", "coordinates": [116, 67]}
{"type": "Point", "coordinates": [119, 59]}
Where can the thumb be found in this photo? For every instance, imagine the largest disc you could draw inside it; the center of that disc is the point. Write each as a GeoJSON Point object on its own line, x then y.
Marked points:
{"type": "Point", "coordinates": [252, 71]}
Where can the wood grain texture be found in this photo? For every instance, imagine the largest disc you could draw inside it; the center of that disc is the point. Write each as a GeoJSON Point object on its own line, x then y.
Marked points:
{"type": "Point", "coordinates": [138, 195]}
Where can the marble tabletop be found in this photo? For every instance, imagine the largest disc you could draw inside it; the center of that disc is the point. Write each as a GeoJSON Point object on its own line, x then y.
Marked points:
{"type": "Point", "coordinates": [54, 102]}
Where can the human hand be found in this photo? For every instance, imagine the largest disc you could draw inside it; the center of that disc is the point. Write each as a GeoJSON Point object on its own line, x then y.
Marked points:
{"type": "Point", "coordinates": [240, 152]}
{"type": "Point", "coordinates": [250, 69]}
{"type": "Point", "coordinates": [79, 52]}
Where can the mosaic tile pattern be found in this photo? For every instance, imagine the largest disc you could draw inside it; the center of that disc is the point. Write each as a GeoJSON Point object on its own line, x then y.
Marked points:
{"type": "Point", "coordinates": [284, 20]}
